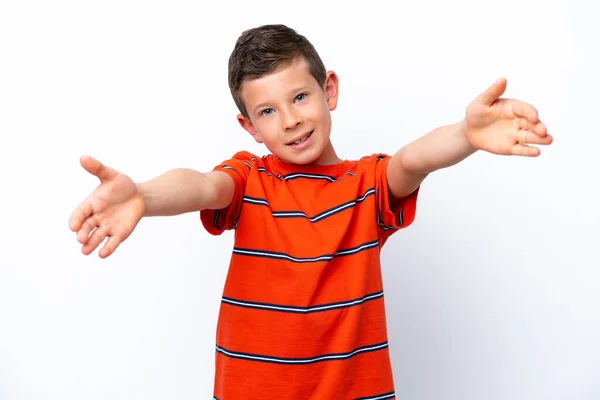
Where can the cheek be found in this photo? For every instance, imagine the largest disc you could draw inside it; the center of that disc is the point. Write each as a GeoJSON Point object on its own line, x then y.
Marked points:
{"type": "Point", "coordinates": [268, 128]}
{"type": "Point", "coordinates": [317, 112]}
{"type": "Point", "coordinates": [325, 117]}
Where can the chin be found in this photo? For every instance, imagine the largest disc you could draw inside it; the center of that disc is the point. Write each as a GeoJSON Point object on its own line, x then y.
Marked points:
{"type": "Point", "coordinates": [308, 157]}
{"type": "Point", "coordinates": [299, 160]}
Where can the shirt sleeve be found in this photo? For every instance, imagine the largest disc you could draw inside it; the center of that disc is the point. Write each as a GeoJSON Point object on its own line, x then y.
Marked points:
{"type": "Point", "coordinates": [392, 214]}
{"type": "Point", "coordinates": [238, 168]}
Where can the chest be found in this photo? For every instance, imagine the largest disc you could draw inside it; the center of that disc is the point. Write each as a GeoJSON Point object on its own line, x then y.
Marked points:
{"type": "Point", "coordinates": [307, 214]}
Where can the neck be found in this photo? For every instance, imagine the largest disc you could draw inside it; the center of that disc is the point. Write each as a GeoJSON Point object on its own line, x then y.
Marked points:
{"type": "Point", "coordinates": [328, 157]}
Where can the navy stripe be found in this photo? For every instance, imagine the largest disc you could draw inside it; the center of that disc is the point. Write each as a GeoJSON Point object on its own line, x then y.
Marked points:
{"type": "Point", "coordinates": [380, 223]}
{"type": "Point", "coordinates": [255, 200]}
{"type": "Point", "coordinates": [326, 213]}
{"type": "Point", "coordinates": [225, 166]}
{"type": "Point", "coordinates": [263, 169]}
{"type": "Point", "coordinates": [324, 257]}
{"type": "Point", "coordinates": [303, 310]}
{"type": "Point", "coordinates": [401, 216]}
{"type": "Point", "coordinates": [316, 218]}
{"type": "Point", "coordinates": [301, 361]}
{"type": "Point", "coordinates": [297, 175]}
{"type": "Point", "coordinates": [387, 228]}
{"type": "Point", "coordinates": [383, 396]}
{"type": "Point", "coordinates": [217, 220]}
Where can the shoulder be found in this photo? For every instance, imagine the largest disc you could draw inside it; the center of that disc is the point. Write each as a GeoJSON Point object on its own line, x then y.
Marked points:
{"type": "Point", "coordinates": [245, 156]}
{"type": "Point", "coordinates": [375, 157]}
{"type": "Point", "coordinates": [241, 158]}
{"type": "Point", "coordinates": [371, 161]}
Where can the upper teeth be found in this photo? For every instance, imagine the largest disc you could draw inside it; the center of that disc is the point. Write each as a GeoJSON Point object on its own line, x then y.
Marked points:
{"type": "Point", "coordinates": [301, 140]}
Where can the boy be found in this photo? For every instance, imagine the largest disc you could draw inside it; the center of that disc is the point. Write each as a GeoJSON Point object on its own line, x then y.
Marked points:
{"type": "Point", "coordinates": [302, 314]}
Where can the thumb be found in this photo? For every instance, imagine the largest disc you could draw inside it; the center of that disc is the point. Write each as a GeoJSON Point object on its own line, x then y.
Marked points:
{"type": "Point", "coordinates": [493, 93]}
{"type": "Point", "coordinates": [97, 169]}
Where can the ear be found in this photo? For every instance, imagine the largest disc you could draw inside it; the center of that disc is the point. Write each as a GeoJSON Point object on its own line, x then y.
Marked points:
{"type": "Point", "coordinates": [330, 87]}
{"type": "Point", "coordinates": [249, 126]}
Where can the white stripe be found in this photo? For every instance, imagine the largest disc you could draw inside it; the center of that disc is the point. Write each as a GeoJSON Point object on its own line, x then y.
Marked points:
{"type": "Point", "coordinates": [303, 361]}
{"type": "Point", "coordinates": [386, 228]}
{"type": "Point", "coordinates": [296, 214]}
{"type": "Point", "coordinates": [320, 258]}
{"type": "Point", "coordinates": [306, 309]}
{"type": "Point", "coordinates": [329, 178]}
{"type": "Point", "coordinates": [311, 219]}
{"type": "Point", "coordinates": [364, 246]}
{"type": "Point", "coordinates": [256, 201]}
{"type": "Point", "coordinates": [321, 216]}
{"type": "Point", "coordinates": [333, 211]}
{"type": "Point", "coordinates": [283, 256]}
{"type": "Point", "coordinates": [368, 192]}
{"type": "Point", "coordinates": [386, 396]}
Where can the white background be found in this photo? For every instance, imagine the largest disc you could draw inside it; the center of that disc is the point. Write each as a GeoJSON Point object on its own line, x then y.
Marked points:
{"type": "Point", "coordinates": [492, 293]}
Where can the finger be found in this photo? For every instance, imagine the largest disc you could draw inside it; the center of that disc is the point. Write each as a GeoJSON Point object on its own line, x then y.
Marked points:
{"type": "Point", "coordinates": [109, 247]}
{"type": "Point", "coordinates": [95, 239]}
{"type": "Point", "coordinates": [97, 169]}
{"type": "Point", "coordinates": [87, 227]}
{"type": "Point", "coordinates": [527, 137]}
{"type": "Point", "coordinates": [493, 93]}
{"type": "Point", "coordinates": [525, 150]}
{"type": "Point", "coordinates": [79, 215]}
{"type": "Point", "coordinates": [524, 110]}
{"type": "Point", "coordinates": [538, 129]}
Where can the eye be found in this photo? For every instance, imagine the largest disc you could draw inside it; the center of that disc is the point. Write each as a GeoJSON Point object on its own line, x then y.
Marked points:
{"type": "Point", "coordinates": [301, 97]}
{"type": "Point", "coordinates": [267, 111]}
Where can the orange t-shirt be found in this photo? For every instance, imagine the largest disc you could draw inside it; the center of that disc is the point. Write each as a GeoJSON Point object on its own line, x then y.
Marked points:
{"type": "Point", "coordinates": [302, 314]}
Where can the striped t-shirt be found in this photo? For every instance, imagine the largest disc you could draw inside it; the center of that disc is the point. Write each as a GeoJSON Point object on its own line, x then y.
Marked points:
{"type": "Point", "coordinates": [302, 314]}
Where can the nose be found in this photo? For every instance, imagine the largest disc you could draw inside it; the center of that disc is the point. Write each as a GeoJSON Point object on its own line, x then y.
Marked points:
{"type": "Point", "coordinates": [291, 119]}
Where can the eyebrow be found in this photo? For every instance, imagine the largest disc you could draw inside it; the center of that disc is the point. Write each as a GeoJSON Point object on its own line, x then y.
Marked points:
{"type": "Point", "coordinates": [297, 90]}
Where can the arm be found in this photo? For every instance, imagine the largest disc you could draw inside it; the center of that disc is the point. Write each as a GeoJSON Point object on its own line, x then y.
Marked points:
{"type": "Point", "coordinates": [185, 190]}
{"type": "Point", "coordinates": [499, 126]}
{"type": "Point", "coordinates": [440, 148]}
{"type": "Point", "coordinates": [116, 206]}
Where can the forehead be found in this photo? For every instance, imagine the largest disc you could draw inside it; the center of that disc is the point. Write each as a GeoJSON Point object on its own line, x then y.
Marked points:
{"type": "Point", "coordinates": [288, 77]}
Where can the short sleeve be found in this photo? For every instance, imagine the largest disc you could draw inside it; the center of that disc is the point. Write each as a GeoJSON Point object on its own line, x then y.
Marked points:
{"type": "Point", "coordinates": [238, 168]}
{"type": "Point", "coordinates": [391, 215]}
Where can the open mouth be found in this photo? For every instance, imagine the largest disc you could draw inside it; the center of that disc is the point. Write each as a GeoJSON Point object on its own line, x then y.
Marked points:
{"type": "Point", "coordinates": [303, 139]}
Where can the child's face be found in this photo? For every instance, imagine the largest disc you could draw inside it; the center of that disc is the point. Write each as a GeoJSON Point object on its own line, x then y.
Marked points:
{"type": "Point", "coordinates": [287, 106]}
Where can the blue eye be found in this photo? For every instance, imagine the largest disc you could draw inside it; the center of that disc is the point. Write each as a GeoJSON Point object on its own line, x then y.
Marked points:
{"type": "Point", "coordinates": [266, 112]}
{"type": "Point", "coordinates": [301, 97]}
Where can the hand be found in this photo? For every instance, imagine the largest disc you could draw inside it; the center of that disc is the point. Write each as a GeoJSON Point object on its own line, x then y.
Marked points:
{"type": "Point", "coordinates": [113, 210]}
{"type": "Point", "coordinates": [504, 126]}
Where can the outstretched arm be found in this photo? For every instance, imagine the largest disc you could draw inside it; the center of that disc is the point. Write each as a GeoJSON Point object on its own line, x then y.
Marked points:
{"type": "Point", "coordinates": [115, 207]}
{"type": "Point", "coordinates": [493, 124]}
{"type": "Point", "coordinates": [183, 190]}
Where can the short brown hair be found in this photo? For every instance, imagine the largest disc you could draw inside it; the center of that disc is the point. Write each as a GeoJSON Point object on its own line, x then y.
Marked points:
{"type": "Point", "coordinates": [259, 51]}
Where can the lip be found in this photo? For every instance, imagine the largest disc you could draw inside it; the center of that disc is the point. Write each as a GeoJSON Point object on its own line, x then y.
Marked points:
{"type": "Point", "coordinates": [302, 145]}
{"type": "Point", "coordinates": [298, 138]}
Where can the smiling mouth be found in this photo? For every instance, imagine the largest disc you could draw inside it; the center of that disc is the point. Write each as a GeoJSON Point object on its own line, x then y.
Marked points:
{"type": "Point", "coordinates": [301, 140]}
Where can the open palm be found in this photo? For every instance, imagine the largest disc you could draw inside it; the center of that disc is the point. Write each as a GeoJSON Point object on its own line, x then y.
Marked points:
{"type": "Point", "coordinates": [112, 210]}
{"type": "Point", "coordinates": [504, 126]}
